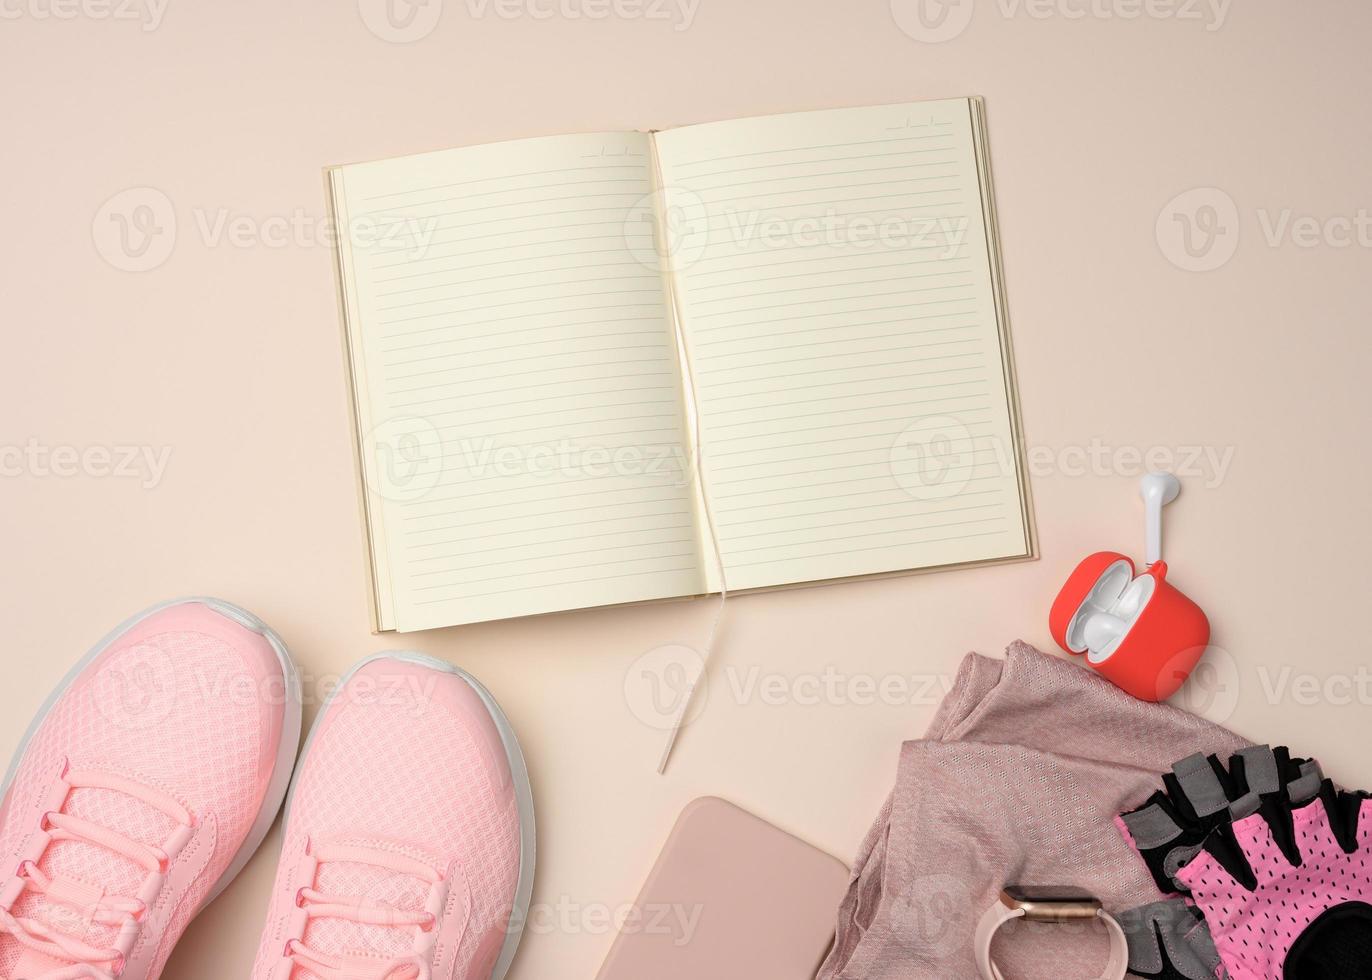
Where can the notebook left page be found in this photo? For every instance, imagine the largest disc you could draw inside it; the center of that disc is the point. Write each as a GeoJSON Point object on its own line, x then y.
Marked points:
{"type": "Point", "coordinates": [515, 377]}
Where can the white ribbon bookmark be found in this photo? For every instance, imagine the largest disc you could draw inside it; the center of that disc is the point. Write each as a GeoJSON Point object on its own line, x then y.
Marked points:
{"type": "Point", "coordinates": [665, 253]}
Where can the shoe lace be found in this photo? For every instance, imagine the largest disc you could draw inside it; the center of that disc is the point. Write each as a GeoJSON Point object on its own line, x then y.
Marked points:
{"type": "Point", "coordinates": [321, 905]}
{"type": "Point", "coordinates": [123, 914]}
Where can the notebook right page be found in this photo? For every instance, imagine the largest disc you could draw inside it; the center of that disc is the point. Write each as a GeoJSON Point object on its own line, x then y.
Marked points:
{"type": "Point", "coordinates": [838, 288]}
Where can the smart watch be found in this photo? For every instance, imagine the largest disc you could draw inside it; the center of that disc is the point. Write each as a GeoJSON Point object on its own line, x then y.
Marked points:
{"type": "Point", "coordinates": [1052, 903]}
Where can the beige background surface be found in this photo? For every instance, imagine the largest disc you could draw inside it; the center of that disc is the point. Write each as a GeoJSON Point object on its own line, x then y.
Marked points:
{"type": "Point", "coordinates": [226, 356]}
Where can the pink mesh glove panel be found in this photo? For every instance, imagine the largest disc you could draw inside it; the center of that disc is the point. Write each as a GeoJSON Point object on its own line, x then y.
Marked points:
{"type": "Point", "coordinates": [1277, 859]}
{"type": "Point", "coordinates": [1291, 897]}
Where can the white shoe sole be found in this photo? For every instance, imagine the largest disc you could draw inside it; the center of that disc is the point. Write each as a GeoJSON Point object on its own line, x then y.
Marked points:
{"type": "Point", "coordinates": [524, 797]}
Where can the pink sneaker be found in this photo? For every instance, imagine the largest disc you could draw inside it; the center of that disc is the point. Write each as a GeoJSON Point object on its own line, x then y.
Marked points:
{"type": "Point", "coordinates": [141, 789]}
{"type": "Point", "coordinates": [409, 842]}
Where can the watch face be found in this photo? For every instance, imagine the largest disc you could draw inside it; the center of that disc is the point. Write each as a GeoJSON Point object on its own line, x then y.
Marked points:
{"type": "Point", "coordinates": [1051, 903]}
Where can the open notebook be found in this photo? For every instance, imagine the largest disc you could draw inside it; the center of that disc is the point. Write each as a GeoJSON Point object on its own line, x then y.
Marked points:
{"type": "Point", "coordinates": [621, 367]}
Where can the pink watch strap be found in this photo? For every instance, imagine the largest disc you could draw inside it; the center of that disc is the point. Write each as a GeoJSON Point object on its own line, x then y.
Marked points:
{"type": "Point", "coordinates": [999, 914]}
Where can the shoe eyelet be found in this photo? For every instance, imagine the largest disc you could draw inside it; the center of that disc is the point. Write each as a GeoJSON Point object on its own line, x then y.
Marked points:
{"type": "Point", "coordinates": [300, 898]}
{"type": "Point", "coordinates": [45, 823]}
{"type": "Point", "coordinates": [163, 862]}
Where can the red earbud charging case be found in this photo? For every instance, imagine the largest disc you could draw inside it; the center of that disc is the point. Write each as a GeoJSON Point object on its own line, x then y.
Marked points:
{"type": "Point", "coordinates": [1149, 635]}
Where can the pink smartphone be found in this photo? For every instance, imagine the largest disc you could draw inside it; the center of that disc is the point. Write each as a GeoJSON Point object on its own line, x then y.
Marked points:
{"type": "Point", "coordinates": [731, 898]}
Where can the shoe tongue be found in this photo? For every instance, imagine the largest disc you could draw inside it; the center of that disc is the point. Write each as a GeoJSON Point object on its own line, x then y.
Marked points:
{"type": "Point", "coordinates": [369, 885]}
{"type": "Point", "coordinates": [79, 868]}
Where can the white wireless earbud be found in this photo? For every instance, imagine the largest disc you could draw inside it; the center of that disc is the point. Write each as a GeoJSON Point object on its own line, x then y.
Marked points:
{"type": "Point", "coordinates": [1103, 629]}
{"type": "Point", "coordinates": [1157, 490]}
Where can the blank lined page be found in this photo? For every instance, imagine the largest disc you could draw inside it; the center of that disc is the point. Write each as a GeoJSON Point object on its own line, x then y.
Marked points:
{"type": "Point", "coordinates": [516, 381]}
{"type": "Point", "coordinates": [838, 299]}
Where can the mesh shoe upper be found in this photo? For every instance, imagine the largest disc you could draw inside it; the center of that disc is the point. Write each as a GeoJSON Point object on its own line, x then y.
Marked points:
{"type": "Point", "coordinates": [403, 805]}
{"type": "Point", "coordinates": [186, 705]}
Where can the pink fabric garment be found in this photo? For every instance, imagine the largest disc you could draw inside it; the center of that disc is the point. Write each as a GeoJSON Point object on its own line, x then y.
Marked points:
{"type": "Point", "coordinates": [1018, 780]}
